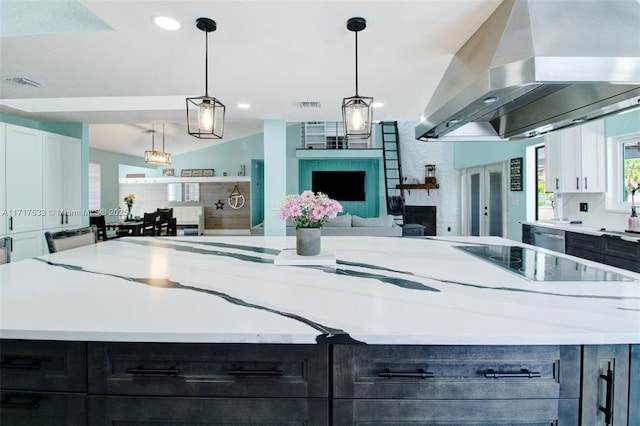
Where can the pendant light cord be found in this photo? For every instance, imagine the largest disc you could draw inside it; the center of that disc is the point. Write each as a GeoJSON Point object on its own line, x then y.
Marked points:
{"type": "Point", "coordinates": [163, 138]}
{"type": "Point", "coordinates": [206, 63]}
{"type": "Point", "coordinates": [153, 138]}
{"type": "Point", "coordinates": [356, 62]}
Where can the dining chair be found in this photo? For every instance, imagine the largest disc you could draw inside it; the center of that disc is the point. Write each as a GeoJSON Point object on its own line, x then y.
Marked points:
{"type": "Point", "coordinates": [100, 223]}
{"type": "Point", "coordinates": [71, 238]}
{"type": "Point", "coordinates": [5, 250]}
{"type": "Point", "coordinates": [150, 224]}
{"type": "Point", "coordinates": [165, 216]}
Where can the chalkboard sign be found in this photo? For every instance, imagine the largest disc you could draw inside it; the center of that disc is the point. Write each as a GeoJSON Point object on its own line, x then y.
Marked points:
{"type": "Point", "coordinates": [516, 174]}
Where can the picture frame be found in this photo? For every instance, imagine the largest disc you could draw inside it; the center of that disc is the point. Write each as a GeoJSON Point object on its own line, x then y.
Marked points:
{"type": "Point", "coordinates": [168, 172]}
{"type": "Point", "coordinates": [208, 172]}
{"type": "Point", "coordinates": [186, 173]}
{"type": "Point", "coordinates": [196, 173]}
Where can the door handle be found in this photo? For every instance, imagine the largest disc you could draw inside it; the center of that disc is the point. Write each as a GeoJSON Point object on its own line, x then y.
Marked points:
{"type": "Point", "coordinates": [419, 374]}
{"type": "Point", "coordinates": [608, 405]}
{"type": "Point", "coordinates": [140, 370]}
{"type": "Point", "coordinates": [577, 182]}
{"type": "Point", "coordinates": [557, 183]}
{"type": "Point", "coordinates": [493, 374]}
{"type": "Point", "coordinates": [585, 183]}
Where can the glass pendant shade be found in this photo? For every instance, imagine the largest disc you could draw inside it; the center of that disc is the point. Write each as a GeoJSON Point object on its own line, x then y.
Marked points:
{"type": "Point", "coordinates": [205, 117]}
{"type": "Point", "coordinates": [357, 117]}
{"type": "Point", "coordinates": [205, 114]}
{"type": "Point", "coordinates": [156, 157]}
{"type": "Point", "coordinates": [357, 111]}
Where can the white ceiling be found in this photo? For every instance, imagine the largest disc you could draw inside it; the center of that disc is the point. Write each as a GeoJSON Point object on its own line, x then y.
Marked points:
{"type": "Point", "coordinates": [120, 72]}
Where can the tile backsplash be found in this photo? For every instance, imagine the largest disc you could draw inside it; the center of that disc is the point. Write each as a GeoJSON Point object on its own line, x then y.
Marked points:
{"type": "Point", "coordinates": [596, 216]}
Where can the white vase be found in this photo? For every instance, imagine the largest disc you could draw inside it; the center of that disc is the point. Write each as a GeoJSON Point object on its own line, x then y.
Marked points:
{"type": "Point", "coordinates": [308, 241]}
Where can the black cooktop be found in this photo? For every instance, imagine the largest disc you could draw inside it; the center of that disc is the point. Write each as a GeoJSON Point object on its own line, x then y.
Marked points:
{"type": "Point", "coordinates": [539, 266]}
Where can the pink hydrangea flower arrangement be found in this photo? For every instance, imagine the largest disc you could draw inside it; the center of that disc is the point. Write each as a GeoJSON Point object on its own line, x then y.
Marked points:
{"type": "Point", "coordinates": [309, 210]}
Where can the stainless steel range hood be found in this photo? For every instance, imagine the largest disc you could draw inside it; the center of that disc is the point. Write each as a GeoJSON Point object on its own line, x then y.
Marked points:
{"type": "Point", "coordinates": [536, 66]}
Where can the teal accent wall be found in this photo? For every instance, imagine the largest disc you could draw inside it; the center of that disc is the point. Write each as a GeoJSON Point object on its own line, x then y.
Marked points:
{"type": "Point", "coordinates": [275, 171]}
{"type": "Point", "coordinates": [111, 164]}
{"type": "Point", "coordinates": [473, 154]}
{"type": "Point", "coordinates": [222, 157]}
{"type": "Point", "coordinates": [367, 208]}
{"type": "Point", "coordinates": [622, 124]}
{"type": "Point", "coordinates": [257, 192]}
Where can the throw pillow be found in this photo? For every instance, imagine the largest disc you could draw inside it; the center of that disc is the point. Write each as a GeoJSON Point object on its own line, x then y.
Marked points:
{"type": "Point", "coordinates": [378, 222]}
{"type": "Point", "coordinates": [342, 221]}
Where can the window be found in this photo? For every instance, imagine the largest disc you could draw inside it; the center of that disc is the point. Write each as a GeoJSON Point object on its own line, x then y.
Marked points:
{"type": "Point", "coordinates": [94, 186]}
{"type": "Point", "coordinates": [191, 192]}
{"type": "Point", "coordinates": [544, 203]}
{"type": "Point", "coordinates": [623, 171]}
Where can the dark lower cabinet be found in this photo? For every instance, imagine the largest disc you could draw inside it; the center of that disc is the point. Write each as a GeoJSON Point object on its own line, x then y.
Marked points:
{"type": "Point", "coordinates": [220, 370]}
{"type": "Point", "coordinates": [98, 384]}
{"type": "Point", "coordinates": [19, 408]}
{"type": "Point", "coordinates": [166, 411]}
{"type": "Point", "coordinates": [542, 412]}
{"type": "Point", "coordinates": [605, 385]}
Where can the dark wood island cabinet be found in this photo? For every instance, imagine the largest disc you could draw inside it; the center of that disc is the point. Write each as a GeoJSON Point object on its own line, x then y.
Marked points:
{"type": "Point", "coordinates": [98, 383]}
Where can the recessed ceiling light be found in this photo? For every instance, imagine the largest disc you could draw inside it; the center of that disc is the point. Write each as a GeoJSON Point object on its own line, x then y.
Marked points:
{"type": "Point", "coordinates": [490, 99]}
{"type": "Point", "coordinates": [167, 23]}
{"type": "Point", "coordinates": [244, 106]}
{"type": "Point", "coordinates": [377, 104]}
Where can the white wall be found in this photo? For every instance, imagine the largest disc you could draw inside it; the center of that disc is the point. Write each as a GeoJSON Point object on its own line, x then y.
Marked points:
{"type": "Point", "coordinates": [415, 155]}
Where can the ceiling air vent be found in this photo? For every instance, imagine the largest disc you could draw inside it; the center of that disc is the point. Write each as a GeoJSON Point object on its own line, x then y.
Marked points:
{"type": "Point", "coordinates": [21, 81]}
{"type": "Point", "coordinates": [309, 104]}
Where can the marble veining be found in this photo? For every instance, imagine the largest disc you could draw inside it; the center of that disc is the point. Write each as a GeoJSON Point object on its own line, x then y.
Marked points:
{"type": "Point", "coordinates": [382, 290]}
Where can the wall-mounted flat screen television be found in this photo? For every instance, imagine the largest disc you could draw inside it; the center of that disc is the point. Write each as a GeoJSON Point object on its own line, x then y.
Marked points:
{"type": "Point", "coordinates": [340, 185]}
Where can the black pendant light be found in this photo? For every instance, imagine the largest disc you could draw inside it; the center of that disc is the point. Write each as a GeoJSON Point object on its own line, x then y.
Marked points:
{"type": "Point", "coordinates": [356, 111]}
{"type": "Point", "coordinates": [205, 115]}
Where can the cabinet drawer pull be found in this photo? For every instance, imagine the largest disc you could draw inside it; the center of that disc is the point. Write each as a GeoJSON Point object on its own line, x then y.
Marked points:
{"type": "Point", "coordinates": [420, 374]}
{"type": "Point", "coordinates": [140, 370]}
{"type": "Point", "coordinates": [493, 374]}
{"type": "Point", "coordinates": [608, 408]}
{"type": "Point", "coordinates": [264, 373]}
{"type": "Point", "coordinates": [20, 364]}
{"type": "Point", "coordinates": [34, 404]}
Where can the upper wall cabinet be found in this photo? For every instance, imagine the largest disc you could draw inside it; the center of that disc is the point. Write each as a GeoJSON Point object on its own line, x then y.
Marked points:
{"type": "Point", "coordinates": [575, 159]}
{"type": "Point", "coordinates": [40, 186]}
{"type": "Point", "coordinates": [61, 181]}
{"type": "Point", "coordinates": [3, 205]}
{"type": "Point", "coordinates": [23, 179]}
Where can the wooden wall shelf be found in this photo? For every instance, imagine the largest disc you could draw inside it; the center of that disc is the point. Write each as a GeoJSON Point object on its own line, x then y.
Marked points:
{"type": "Point", "coordinates": [418, 186]}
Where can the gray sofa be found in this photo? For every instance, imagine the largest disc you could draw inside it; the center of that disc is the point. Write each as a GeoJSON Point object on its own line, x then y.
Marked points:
{"type": "Point", "coordinates": [350, 225]}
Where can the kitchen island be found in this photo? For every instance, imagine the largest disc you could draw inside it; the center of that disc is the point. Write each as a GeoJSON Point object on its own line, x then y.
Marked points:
{"type": "Point", "coordinates": [133, 309]}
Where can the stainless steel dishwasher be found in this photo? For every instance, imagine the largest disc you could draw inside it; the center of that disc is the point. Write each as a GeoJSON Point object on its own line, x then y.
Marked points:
{"type": "Point", "coordinates": [549, 238]}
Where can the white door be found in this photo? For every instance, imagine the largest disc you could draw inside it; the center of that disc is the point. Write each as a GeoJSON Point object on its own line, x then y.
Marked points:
{"type": "Point", "coordinates": [485, 201]}
{"type": "Point", "coordinates": [23, 179]}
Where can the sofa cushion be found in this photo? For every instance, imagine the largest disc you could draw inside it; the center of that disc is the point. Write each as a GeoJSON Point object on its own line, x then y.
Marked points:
{"type": "Point", "coordinates": [339, 221]}
{"type": "Point", "coordinates": [379, 222]}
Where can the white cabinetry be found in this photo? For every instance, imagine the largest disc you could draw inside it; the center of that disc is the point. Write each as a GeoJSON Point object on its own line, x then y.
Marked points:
{"type": "Point", "coordinates": [23, 179]}
{"type": "Point", "coordinates": [3, 204]}
{"type": "Point", "coordinates": [61, 182]}
{"type": "Point", "coordinates": [40, 180]}
{"type": "Point", "coordinates": [575, 159]}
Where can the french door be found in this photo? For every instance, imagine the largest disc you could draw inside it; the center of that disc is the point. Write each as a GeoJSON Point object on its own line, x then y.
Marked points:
{"type": "Point", "coordinates": [485, 204]}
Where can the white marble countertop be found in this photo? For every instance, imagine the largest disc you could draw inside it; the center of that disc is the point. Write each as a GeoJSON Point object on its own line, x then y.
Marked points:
{"type": "Point", "coordinates": [565, 225]}
{"type": "Point", "coordinates": [382, 291]}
